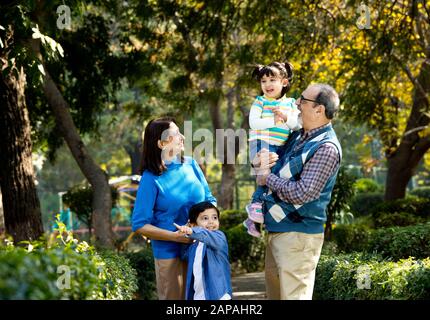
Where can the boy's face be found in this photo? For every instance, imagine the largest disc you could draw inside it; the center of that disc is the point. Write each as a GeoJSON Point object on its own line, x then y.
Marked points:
{"type": "Point", "coordinates": [208, 219]}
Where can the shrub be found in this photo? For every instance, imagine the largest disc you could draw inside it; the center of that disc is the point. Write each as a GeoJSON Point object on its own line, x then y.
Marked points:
{"type": "Point", "coordinates": [421, 192]}
{"type": "Point", "coordinates": [246, 252]}
{"type": "Point", "coordinates": [143, 262]}
{"type": "Point", "coordinates": [412, 205]}
{"type": "Point", "coordinates": [328, 284]}
{"type": "Point", "coordinates": [400, 219]}
{"type": "Point", "coordinates": [343, 192]}
{"type": "Point", "coordinates": [231, 218]}
{"type": "Point", "coordinates": [119, 277]}
{"type": "Point", "coordinates": [80, 199]}
{"type": "Point", "coordinates": [366, 185]}
{"type": "Point", "coordinates": [359, 276]}
{"type": "Point", "coordinates": [64, 269]}
{"type": "Point", "coordinates": [362, 203]}
{"type": "Point", "coordinates": [402, 242]}
{"type": "Point", "coordinates": [351, 237]}
{"type": "Point", "coordinates": [393, 242]}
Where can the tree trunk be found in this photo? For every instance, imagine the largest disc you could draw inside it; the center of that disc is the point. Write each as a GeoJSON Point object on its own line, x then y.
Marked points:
{"type": "Point", "coordinates": [2, 228]}
{"type": "Point", "coordinates": [22, 216]}
{"type": "Point", "coordinates": [98, 179]}
{"type": "Point", "coordinates": [102, 200]}
{"type": "Point", "coordinates": [398, 176]}
{"type": "Point", "coordinates": [403, 162]}
{"type": "Point", "coordinates": [134, 151]}
{"type": "Point", "coordinates": [328, 227]}
{"type": "Point", "coordinates": [228, 182]}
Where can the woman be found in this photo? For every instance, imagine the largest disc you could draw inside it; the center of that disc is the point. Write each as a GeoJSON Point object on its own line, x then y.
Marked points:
{"type": "Point", "coordinates": [169, 186]}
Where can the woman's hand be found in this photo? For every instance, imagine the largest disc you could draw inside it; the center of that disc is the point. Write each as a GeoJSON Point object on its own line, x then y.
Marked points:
{"type": "Point", "coordinates": [183, 229]}
{"type": "Point", "coordinates": [155, 233]}
{"type": "Point", "coordinates": [181, 237]}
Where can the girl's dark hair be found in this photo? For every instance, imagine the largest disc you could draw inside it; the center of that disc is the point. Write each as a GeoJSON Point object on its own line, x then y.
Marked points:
{"type": "Point", "coordinates": [284, 70]}
{"type": "Point", "coordinates": [151, 154]}
{"type": "Point", "coordinates": [198, 208]}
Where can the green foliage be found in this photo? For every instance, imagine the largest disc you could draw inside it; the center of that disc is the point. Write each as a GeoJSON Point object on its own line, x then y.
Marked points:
{"type": "Point", "coordinates": [231, 218]}
{"type": "Point", "coordinates": [351, 237]}
{"type": "Point", "coordinates": [79, 199]}
{"type": "Point", "coordinates": [421, 192]}
{"type": "Point", "coordinates": [342, 193]}
{"type": "Point", "coordinates": [415, 206]}
{"type": "Point", "coordinates": [143, 262]}
{"type": "Point", "coordinates": [63, 268]}
{"type": "Point", "coordinates": [325, 288]}
{"type": "Point", "coordinates": [402, 242]}
{"type": "Point", "coordinates": [368, 277]}
{"type": "Point", "coordinates": [393, 242]}
{"type": "Point", "coordinates": [246, 252]}
{"type": "Point", "coordinates": [366, 185]}
{"type": "Point", "coordinates": [362, 203]}
{"type": "Point", "coordinates": [120, 278]}
{"type": "Point", "coordinates": [400, 219]}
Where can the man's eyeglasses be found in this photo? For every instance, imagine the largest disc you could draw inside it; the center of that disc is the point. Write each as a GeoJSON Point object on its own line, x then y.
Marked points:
{"type": "Point", "coordinates": [303, 98]}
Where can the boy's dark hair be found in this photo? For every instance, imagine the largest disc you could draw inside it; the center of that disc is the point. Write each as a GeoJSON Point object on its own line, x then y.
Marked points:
{"type": "Point", "coordinates": [284, 70]}
{"type": "Point", "coordinates": [198, 208]}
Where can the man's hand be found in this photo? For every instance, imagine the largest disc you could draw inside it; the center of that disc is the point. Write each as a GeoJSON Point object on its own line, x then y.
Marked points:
{"type": "Point", "coordinates": [264, 160]}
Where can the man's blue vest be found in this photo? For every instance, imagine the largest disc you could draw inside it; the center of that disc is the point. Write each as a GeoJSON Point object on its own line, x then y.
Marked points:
{"type": "Point", "coordinates": [308, 217]}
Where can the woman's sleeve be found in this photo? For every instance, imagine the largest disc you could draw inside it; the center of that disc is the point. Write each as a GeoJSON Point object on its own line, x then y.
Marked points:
{"type": "Point", "coordinates": [202, 179]}
{"type": "Point", "coordinates": [143, 211]}
{"type": "Point", "coordinates": [255, 120]}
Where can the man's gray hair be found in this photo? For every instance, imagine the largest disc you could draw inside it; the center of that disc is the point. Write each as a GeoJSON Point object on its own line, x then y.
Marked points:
{"type": "Point", "coordinates": [329, 98]}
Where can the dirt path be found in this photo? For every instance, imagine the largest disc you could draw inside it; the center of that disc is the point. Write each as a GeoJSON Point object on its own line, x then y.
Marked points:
{"type": "Point", "coordinates": [249, 286]}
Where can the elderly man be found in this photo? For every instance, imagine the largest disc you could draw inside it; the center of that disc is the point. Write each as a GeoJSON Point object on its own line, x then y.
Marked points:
{"type": "Point", "coordinates": [300, 189]}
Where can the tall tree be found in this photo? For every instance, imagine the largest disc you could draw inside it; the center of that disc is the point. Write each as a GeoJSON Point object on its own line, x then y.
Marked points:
{"type": "Point", "coordinates": [22, 216]}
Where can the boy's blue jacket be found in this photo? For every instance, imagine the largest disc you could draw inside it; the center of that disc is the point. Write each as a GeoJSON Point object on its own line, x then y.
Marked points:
{"type": "Point", "coordinates": [216, 265]}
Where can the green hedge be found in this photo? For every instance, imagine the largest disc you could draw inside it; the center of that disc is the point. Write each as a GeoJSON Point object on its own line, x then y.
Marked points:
{"type": "Point", "coordinates": [43, 274]}
{"type": "Point", "coordinates": [395, 219]}
{"type": "Point", "coordinates": [366, 185]}
{"type": "Point", "coordinates": [351, 237]}
{"type": "Point", "coordinates": [362, 203]}
{"type": "Point", "coordinates": [419, 207]}
{"type": "Point", "coordinates": [368, 277]}
{"type": "Point", "coordinates": [402, 242]}
{"type": "Point", "coordinates": [394, 242]}
{"type": "Point", "coordinates": [231, 218]}
{"type": "Point", "coordinates": [421, 192]}
{"type": "Point", "coordinates": [246, 252]}
{"type": "Point", "coordinates": [63, 268]}
{"type": "Point", "coordinates": [143, 262]}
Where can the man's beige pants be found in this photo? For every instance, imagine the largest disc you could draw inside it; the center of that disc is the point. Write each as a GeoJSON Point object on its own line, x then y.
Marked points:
{"type": "Point", "coordinates": [290, 264]}
{"type": "Point", "coordinates": [171, 277]}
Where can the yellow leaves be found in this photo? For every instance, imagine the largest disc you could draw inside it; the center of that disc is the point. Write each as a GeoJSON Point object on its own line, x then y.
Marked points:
{"type": "Point", "coordinates": [367, 139]}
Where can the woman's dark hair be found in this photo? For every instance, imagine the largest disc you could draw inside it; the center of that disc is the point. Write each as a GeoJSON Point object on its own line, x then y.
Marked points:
{"type": "Point", "coordinates": [198, 208]}
{"type": "Point", "coordinates": [151, 154]}
{"type": "Point", "coordinates": [284, 70]}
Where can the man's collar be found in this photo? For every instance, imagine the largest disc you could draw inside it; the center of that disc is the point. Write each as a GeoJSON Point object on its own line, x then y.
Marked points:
{"type": "Point", "coordinates": [311, 132]}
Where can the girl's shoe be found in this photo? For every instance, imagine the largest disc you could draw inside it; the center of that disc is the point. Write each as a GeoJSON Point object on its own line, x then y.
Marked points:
{"type": "Point", "coordinates": [250, 227]}
{"type": "Point", "coordinates": [255, 212]}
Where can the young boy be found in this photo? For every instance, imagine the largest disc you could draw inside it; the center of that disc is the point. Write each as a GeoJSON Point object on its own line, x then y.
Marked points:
{"type": "Point", "coordinates": [208, 275]}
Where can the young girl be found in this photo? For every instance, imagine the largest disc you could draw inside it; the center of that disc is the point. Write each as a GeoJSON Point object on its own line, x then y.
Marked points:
{"type": "Point", "coordinates": [271, 119]}
{"type": "Point", "coordinates": [208, 276]}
